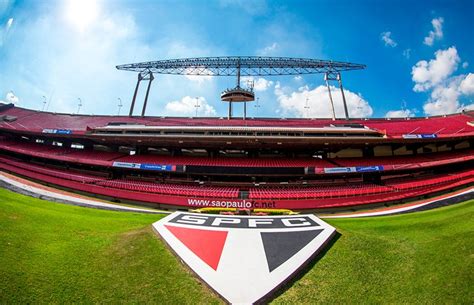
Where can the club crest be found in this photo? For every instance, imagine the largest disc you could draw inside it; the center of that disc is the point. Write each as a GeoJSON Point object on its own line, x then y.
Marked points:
{"type": "Point", "coordinates": [244, 258]}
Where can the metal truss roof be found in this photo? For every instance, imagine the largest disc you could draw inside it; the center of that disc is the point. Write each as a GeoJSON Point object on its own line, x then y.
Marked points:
{"type": "Point", "coordinates": [248, 66]}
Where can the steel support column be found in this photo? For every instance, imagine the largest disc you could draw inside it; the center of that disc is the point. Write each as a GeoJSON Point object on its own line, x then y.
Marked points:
{"type": "Point", "coordinates": [245, 110]}
{"type": "Point", "coordinates": [346, 112]}
{"type": "Point", "coordinates": [326, 78]}
{"type": "Point", "coordinates": [230, 111]}
{"type": "Point", "coordinates": [140, 78]}
{"type": "Point", "coordinates": [151, 78]}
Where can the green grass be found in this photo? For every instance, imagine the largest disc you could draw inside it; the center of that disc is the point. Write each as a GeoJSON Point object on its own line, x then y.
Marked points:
{"type": "Point", "coordinates": [54, 253]}
{"type": "Point", "coordinates": [420, 258]}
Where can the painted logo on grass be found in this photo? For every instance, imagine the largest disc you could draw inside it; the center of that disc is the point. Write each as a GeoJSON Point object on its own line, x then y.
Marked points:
{"type": "Point", "coordinates": [244, 258]}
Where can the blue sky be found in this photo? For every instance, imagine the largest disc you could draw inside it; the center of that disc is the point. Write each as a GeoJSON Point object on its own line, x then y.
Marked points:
{"type": "Point", "coordinates": [419, 54]}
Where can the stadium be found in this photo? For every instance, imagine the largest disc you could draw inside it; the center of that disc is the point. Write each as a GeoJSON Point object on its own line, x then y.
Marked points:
{"type": "Point", "coordinates": [333, 167]}
{"type": "Point", "coordinates": [298, 164]}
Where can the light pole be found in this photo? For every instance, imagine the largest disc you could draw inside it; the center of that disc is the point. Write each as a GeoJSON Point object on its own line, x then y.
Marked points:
{"type": "Point", "coordinates": [307, 108]}
{"type": "Point", "coordinates": [197, 105]}
{"type": "Point", "coordinates": [119, 105]}
{"type": "Point", "coordinates": [256, 106]}
{"type": "Point", "coordinates": [79, 105]}
{"type": "Point", "coordinates": [44, 102]}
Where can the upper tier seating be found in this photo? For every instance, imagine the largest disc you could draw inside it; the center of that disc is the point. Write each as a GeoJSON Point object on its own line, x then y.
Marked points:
{"type": "Point", "coordinates": [74, 155]}
{"type": "Point", "coordinates": [104, 158]}
{"type": "Point", "coordinates": [420, 159]}
{"type": "Point", "coordinates": [450, 125]}
{"type": "Point", "coordinates": [85, 156]}
{"type": "Point", "coordinates": [35, 121]}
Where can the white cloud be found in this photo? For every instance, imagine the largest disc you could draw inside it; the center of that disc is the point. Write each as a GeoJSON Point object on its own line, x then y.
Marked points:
{"type": "Point", "coordinates": [10, 98]}
{"type": "Point", "coordinates": [259, 84]}
{"type": "Point", "coordinates": [81, 14]}
{"type": "Point", "coordinates": [406, 53]}
{"type": "Point", "coordinates": [469, 107]}
{"type": "Point", "coordinates": [388, 40]}
{"type": "Point", "coordinates": [9, 23]}
{"type": "Point", "coordinates": [204, 74]}
{"type": "Point", "coordinates": [467, 85]}
{"type": "Point", "coordinates": [187, 107]}
{"type": "Point", "coordinates": [199, 78]}
{"type": "Point", "coordinates": [436, 33]}
{"type": "Point", "coordinates": [303, 88]}
{"type": "Point", "coordinates": [444, 98]}
{"type": "Point", "coordinates": [293, 103]}
{"type": "Point", "coordinates": [5, 31]}
{"type": "Point", "coordinates": [428, 74]}
{"type": "Point", "coordinates": [447, 91]}
{"type": "Point", "coordinates": [298, 78]}
{"type": "Point", "coordinates": [465, 64]}
{"type": "Point", "coordinates": [268, 50]}
{"type": "Point", "coordinates": [403, 113]}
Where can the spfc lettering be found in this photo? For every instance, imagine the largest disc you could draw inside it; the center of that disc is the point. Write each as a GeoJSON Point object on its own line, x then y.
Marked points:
{"type": "Point", "coordinates": [244, 258]}
{"type": "Point", "coordinates": [244, 222]}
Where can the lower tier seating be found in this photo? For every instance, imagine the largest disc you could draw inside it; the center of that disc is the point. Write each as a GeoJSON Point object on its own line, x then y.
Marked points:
{"type": "Point", "coordinates": [172, 189]}
{"type": "Point", "coordinates": [359, 189]}
{"type": "Point", "coordinates": [83, 178]}
{"type": "Point", "coordinates": [310, 197]}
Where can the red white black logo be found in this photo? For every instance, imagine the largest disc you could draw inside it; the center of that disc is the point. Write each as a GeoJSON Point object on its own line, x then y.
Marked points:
{"type": "Point", "coordinates": [244, 258]}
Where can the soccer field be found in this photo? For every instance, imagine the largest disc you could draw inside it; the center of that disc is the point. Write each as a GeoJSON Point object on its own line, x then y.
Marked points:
{"type": "Point", "coordinates": [55, 253]}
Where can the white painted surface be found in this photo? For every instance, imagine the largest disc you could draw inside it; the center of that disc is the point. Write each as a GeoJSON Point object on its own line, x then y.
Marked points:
{"type": "Point", "coordinates": [242, 276]}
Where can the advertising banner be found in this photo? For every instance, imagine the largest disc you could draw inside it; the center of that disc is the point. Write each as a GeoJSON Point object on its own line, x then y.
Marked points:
{"type": "Point", "coordinates": [57, 131]}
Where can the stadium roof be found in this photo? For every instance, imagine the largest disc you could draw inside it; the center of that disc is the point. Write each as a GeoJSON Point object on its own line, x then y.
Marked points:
{"type": "Point", "coordinates": [247, 65]}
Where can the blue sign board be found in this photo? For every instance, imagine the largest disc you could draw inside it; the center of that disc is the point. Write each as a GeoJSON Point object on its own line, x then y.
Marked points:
{"type": "Point", "coordinates": [145, 166]}
{"type": "Point", "coordinates": [157, 167]}
{"type": "Point", "coordinates": [126, 165]}
{"type": "Point", "coordinates": [420, 136]}
{"type": "Point", "coordinates": [339, 170]}
{"type": "Point", "coordinates": [356, 169]}
{"type": "Point", "coordinates": [375, 168]}
{"type": "Point", "coordinates": [63, 131]}
{"type": "Point", "coordinates": [57, 131]}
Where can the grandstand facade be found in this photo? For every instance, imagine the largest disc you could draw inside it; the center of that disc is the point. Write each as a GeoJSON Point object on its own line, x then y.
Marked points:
{"type": "Point", "coordinates": [182, 163]}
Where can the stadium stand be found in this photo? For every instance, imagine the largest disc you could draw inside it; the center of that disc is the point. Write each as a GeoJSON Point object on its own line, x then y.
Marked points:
{"type": "Point", "coordinates": [105, 158]}
{"type": "Point", "coordinates": [256, 161]}
{"type": "Point", "coordinates": [342, 194]}
{"type": "Point", "coordinates": [34, 121]}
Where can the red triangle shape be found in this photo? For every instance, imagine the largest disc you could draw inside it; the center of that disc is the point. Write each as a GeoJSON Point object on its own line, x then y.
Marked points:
{"type": "Point", "coordinates": [206, 244]}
